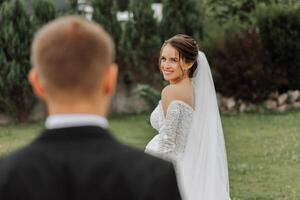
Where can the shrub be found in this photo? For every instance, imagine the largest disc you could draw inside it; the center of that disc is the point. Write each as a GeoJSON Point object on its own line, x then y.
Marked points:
{"type": "Point", "coordinates": [149, 94]}
{"type": "Point", "coordinates": [16, 30]}
{"type": "Point", "coordinates": [280, 32]}
{"type": "Point", "coordinates": [222, 11]}
{"type": "Point", "coordinates": [238, 66]}
{"type": "Point", "coordinates": [243, 10]}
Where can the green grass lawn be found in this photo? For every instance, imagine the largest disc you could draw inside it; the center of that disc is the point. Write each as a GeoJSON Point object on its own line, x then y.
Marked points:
{"type": "Point", "coordinates": [263, 150]}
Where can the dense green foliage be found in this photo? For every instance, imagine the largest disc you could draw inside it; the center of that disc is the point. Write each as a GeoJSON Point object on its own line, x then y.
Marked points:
{"type": "Point", "coordinates": [44, 11]}
{"type": "Point", "coordinates": [238, 66]}
{"type": "Point", "coordinates": [252, 45]}
{"type": "Point", "coordinates": [16, 33]}
{"type": "Point", "coordinates": [105, 14]}
{"type": "Point", "coordinates": [250, 60]}
{"type": "Point", "coordinates": [280, 33]}
{"type": "Point", "coordinates": [181, 17]}
{"type": "Point", "coordinates": [141, 43]}
{"type": "Point", "coordinates": [73, 7]}
{"type": "Point", "coordinates": [243, 10]}
{"type": "Point", "coordinates": [2, 1]}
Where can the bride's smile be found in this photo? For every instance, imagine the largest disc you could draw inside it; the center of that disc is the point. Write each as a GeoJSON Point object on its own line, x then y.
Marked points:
{"type": "Point", "coordinates": [172, 69]}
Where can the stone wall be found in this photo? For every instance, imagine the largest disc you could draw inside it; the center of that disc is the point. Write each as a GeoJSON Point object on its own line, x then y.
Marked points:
{"type": "Point", "coordinates": [275, 102]}
{"type": "Point", "coordinates": [126, 100]}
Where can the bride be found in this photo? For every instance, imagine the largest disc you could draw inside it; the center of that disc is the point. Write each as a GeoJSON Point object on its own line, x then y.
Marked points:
{"type": "Point", "coordinates": [188, 122]}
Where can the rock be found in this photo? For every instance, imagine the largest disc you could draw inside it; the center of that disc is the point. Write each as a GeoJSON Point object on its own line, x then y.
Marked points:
{"type": "Point", "coordinates": [296, 105]}
{"type": "Point", "coordinates": [4, 119]}
{"type": "Point", "coordinates": [274, 95]}
{"type": "Point", "coordinates": [243, 107]}
{"type": "Point", "coordinates": [223, 102]}
{"type": "Point", "coordinates": [293, 96]}
{"type": "Point", "coordinates": [239, 102]}
{"type": "Point", "coordinates": [250, 107]}
{"type": "Point", "coordinates": [230, 103]}
{"type": "Point", "coordinates": [270, 104]}
{"type": "Point", "coordinates": [126, 100]}
{"type": "Point", "coordinates": [282, 99]}
{"type": "Point", "coordinates": [282, 108]}
{"type": "Point", "coordinates": [227, 104]}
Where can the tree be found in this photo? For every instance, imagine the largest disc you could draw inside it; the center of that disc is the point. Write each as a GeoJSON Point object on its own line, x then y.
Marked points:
{"type": "Point", "coordinates": [73, 8]}
{"type": "Point", "coordinates": [105, 13]}
{"type": "Point", "coordinates": [141, 43]}
{"type": "Point", "coordinates": [243, 10]}
{"type": "Point", "coordinates": [73, 4]}
{"type": "Point", "coordinates": [43, 11]}
{"type": "Point", "coordinates": [123, 4]}
{"type": "Point", "coordinates": [181, 17]}
{"type": "Point", "coordinates": [2, 1]}
{"type": "Point", "coordinates": [16, 31]}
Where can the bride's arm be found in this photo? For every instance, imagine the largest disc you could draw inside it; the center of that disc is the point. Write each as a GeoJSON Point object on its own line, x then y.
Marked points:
{"type": "Point", "coordinates": [168, 131]}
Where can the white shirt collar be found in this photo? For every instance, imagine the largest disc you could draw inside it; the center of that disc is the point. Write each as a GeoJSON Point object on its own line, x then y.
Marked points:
{"type": "Point", "coordinates": [74, 120]}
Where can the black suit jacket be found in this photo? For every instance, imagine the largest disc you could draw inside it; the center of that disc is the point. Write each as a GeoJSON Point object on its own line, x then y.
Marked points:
{"type": "Point", "coordinates": [84, 163]}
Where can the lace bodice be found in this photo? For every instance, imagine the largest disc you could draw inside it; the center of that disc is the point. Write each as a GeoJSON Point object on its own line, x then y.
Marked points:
{"type": "Point", "coordinates": [172, 129]}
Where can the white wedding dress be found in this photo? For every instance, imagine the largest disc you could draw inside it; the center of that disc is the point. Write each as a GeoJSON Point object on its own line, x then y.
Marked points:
{"type": "Point", "coordinates": [172, 130]}
{"type": "Point", "coordinates": [193, 140]}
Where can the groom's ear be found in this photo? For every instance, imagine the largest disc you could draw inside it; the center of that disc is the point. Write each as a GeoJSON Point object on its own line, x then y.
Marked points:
{"type": "Point", "coordinates": [35, 82]}
{"type": "Point", "coordinates": [110, 77]}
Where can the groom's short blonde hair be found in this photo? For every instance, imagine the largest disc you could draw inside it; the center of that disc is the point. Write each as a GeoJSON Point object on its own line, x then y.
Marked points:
{"type": "Point", "coordinates": [70, 53]}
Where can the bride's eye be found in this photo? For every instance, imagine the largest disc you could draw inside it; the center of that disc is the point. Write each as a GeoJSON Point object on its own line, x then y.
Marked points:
{"type": "Point", "coordinates": [174, 60]}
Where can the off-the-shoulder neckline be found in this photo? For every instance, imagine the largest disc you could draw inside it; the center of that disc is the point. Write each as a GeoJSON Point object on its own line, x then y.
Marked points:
{"type": "Point", "coordinates": [172, 102]}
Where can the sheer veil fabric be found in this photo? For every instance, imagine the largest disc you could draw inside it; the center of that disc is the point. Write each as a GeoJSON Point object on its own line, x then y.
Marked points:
{"type": "Point", "coordinates": [203, 171]}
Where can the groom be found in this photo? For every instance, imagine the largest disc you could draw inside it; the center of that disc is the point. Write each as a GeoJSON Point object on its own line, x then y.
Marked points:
{"type": "Point", "coordinates": [75, 157]}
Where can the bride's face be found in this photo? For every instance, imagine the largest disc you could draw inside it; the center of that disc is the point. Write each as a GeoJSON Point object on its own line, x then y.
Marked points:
{"type": "Point", "coordinates": [171, 65]}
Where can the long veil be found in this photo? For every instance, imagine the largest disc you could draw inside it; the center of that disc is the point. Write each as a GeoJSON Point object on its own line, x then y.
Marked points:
{"type": "Point", "coordinates": [203, 172]}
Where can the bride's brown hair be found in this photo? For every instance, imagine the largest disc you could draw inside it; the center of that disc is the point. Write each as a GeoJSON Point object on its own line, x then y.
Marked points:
{"type": "Point", "coordinates": [187, 48]}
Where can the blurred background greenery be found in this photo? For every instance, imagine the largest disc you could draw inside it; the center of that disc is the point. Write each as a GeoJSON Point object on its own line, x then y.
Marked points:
{"type": "Point", "coordinates": [253, 46]}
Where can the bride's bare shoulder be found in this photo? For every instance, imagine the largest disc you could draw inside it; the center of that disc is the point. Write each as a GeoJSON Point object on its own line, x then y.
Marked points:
{"type": "Point", "coordinates": [171, 93]}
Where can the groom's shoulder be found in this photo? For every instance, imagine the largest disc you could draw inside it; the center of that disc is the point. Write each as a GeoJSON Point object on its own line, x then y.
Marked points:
{"type": "Point", "coordinates": [15, 164]}
{"type": "Point", "coordinates": [149, 169]}
{"type": "Point", "coordinates": [17, 158]}
{"type": "Point", "coordinates": [143, 171]}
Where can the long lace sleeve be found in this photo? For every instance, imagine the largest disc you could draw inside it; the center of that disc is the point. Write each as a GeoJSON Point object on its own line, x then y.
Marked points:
{"type": "Point", "coordinates": [173, 129]}
{"type": "Point", "coordinates": [168, 132]}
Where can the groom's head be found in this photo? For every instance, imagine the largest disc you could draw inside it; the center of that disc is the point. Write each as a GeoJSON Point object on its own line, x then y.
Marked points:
{"type": "Point", "coordinates": [72, 62]}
